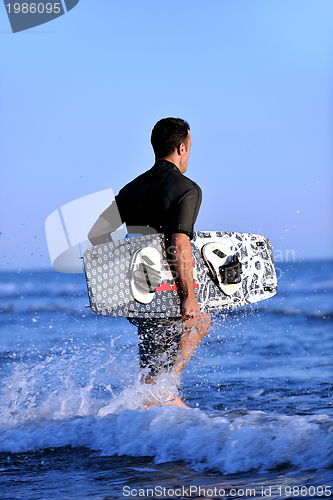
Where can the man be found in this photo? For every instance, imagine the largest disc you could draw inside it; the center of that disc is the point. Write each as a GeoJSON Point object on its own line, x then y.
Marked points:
{"type": "Point", "coordinates": [164, 199]}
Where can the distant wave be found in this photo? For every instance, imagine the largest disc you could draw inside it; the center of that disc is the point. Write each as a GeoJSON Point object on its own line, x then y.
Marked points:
{"type": "Point", "coordinates": [305, 313]}
{"type": "Point", "coordinates": [297, 287]}
{"type": "Point", "coordinates": [31, 289]}
{"type": "Point", "coordinates": [40, 306]}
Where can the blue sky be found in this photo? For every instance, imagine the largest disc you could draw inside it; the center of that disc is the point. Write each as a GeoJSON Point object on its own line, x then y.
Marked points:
{"type": "Point", "coordinates": [254, 79]}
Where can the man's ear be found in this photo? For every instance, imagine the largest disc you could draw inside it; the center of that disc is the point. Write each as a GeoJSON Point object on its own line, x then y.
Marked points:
{"type": "Point", "coordinates": [181, 149]}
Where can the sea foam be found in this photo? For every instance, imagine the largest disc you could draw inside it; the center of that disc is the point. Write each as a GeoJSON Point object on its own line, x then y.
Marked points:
{"type": "Point", "coordinates": [230, 442]}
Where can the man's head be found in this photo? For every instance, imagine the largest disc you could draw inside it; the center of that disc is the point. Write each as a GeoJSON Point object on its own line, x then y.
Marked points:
{"type": "Point", "coordinates": [171, 138]}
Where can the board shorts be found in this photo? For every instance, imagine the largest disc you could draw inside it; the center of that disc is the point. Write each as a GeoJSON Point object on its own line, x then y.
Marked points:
{"type": "Point", "coordinates": [158, 341]}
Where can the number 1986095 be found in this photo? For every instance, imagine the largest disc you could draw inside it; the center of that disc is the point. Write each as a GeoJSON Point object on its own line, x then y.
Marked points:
{"type": "Point", "coordinates": [34, 8]}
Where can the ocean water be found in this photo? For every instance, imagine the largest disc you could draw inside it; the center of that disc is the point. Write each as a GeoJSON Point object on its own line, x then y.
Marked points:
{"type": "Point", "coordinates": [260, 385]}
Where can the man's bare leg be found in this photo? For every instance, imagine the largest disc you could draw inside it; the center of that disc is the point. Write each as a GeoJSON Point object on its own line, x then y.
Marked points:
{"type": "Point", "coordinates": [196, 324]}
{"type": "Point", "coordinates": [194, 330]}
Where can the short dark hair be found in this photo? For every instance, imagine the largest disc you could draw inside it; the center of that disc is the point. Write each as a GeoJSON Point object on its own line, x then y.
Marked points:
{"type": "Point", "coordinates": [167, 135]}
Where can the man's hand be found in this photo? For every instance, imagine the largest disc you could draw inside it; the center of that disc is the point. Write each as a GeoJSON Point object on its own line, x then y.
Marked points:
{"type": "Point", "coordinates": [190, 308]}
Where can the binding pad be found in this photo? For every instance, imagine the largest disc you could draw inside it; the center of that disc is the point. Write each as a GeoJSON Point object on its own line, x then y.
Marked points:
{"type": "Point", "coordinates": [145, 272]}
{"type": "Point", "coordinates": [224, 267]}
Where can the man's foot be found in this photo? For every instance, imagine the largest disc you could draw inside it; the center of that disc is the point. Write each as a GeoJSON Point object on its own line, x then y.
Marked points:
{"type": "Point", "coordinates": [177, 402]}
{"type": "Point", "coordinates": [151, 402]}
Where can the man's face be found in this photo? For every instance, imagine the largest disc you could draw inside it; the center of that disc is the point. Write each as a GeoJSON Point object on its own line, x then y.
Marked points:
{"type": "Point", "coordinates": [185, 154]}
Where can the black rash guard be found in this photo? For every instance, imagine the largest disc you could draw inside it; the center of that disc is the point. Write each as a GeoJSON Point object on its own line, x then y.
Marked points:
{"type": "Point", "coordinates": [162, 198]}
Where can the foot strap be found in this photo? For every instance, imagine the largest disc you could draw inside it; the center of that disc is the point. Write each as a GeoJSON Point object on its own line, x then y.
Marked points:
{"type": "Point", "coordinates": [224, 267]}
{"type": "Point", "coordinates": [231, 273]}
{"type": "Point", "coordinates": [147, 278]}
{"type": "Point", "coordinates": [146, 268]}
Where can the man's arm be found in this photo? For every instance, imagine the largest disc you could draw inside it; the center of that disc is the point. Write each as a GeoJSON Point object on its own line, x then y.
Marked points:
{"type": "Point", "coordinates": [106, 223]}
{"type": "Point", "coordinates": [182, 263]}
{"type": "Point", "coordinates": [100, 232]}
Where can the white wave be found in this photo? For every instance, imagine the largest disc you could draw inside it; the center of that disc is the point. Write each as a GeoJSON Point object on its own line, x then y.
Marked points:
{"type": "Point", "coordinates": [230, 442]}
{"type": "Point", "coordinates": [49, 405]}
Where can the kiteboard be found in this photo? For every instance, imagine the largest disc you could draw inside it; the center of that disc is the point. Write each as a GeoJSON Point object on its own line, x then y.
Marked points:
{"type": "Point", "coordinates": [133, 278]}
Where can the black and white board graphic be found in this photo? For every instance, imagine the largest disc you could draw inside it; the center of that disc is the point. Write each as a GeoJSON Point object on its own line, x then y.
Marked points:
{"type": "Point", "coordinates": [116, 275]}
